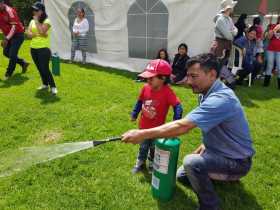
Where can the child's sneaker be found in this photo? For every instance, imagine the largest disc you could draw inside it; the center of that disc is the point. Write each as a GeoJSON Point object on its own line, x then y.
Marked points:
{"type": "Point", "coordinates": [151, 166]}
{"type": "Point", "coordinates": [139, 166]}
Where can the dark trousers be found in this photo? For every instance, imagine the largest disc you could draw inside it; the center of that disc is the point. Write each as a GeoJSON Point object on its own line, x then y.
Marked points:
{"type": "Point", "coordinates": [144, 149]}
{"type": "Point", "coordinates": [41, 58]}
{"type": "Point", "coordinates": [11, 52]}
{"type": "Point", "coordinates": [253, 68]}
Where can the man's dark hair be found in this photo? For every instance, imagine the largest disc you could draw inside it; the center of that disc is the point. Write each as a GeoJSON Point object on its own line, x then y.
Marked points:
{"type": "Point", "coordinates": [207, 62]}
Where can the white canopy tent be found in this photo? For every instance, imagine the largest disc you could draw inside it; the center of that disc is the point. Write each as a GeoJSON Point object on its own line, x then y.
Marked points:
{"type": "Point", "coordinates": [125, 34]}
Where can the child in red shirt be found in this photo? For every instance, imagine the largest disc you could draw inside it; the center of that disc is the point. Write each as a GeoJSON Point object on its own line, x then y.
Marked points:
{"type": "Point", "coordinates": [154, 101]}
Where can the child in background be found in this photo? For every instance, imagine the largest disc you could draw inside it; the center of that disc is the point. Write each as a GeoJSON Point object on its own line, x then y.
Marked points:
{"type": "Point", "coordinates": [163, 54]}
{"type": "Point", "coordinates": [154, 101]}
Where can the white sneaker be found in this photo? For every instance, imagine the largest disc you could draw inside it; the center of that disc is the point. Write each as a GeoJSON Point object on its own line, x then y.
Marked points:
{"type": "Point", "coordinates": [54, 90]}
{"type": "Point", "coordinates": [43, 87]}
{"type": "Point", "coordinates": [6, 78]}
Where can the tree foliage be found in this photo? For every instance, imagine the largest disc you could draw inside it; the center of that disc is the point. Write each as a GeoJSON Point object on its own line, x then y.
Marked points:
{"type": "Point", "coordinates": [23, 8]}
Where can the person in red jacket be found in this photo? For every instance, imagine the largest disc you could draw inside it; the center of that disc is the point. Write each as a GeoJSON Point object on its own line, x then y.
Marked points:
{"type": "Point", "coordinates": [13, 31]}
{"type": "Point", "coordinates": [154, 101]}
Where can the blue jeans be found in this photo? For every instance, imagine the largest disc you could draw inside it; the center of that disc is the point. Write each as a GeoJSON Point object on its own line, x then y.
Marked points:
{"type": "Point", "coordinates": [199, 170]}
{"type": "Point", "coordinates": [11, 52]}
{"type": "Point", "coordinates": [145, 147]}
{"type": "Point", "coordinates": [271, 58]}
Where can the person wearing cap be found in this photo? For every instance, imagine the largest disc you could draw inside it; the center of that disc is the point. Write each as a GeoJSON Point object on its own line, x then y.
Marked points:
{"type": "Point", "coordinates": [154, 101]}
{"type": "Point", "coordinates": [227, 148]}
{"type": "Point", "coordinates": [39, 32]}
{"type": "Point", "coordinates": [225, 30]}
{"type": "Point", "coordinates": [13, 31]}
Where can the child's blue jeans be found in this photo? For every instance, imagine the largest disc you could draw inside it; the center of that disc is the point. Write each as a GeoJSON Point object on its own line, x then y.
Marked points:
{"type": "Point", "coordinates": [144, 149]}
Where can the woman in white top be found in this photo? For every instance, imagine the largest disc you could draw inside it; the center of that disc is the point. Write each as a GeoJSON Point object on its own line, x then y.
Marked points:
{"type": "Point", "coordinates": [80, 35]}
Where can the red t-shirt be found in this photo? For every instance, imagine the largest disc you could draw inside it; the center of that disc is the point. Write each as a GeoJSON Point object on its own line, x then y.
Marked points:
{"type": "Point", "coordinates": [274, 43]}
{"type": "Point", "coordinates": [155, 105]}
{"type": "Point", "coordinates": [8, 18]}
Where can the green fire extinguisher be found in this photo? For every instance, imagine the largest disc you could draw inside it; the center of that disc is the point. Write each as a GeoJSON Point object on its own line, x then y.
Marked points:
{"type": "Point", "coordinates": [56, 64]}
{"type": "Point", "coordinates": [165, 167]}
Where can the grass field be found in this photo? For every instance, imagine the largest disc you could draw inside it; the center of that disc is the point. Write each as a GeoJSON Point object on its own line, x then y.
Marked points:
{"type": "Point", "coordinates": [94, 103]}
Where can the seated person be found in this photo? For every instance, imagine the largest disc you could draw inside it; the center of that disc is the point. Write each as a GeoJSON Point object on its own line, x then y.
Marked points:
{"type": "Point", "coordinates": [251, 62]}
{"type": "Point", "coordinates": [179, 64]}
{"type": "Point", "coordinates": [163, 54]}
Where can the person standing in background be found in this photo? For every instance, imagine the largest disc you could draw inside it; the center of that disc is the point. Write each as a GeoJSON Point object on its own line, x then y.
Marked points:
{"type": "Point", "coordinates": [13, 31]}
{"type": "Point", "coordinates": [241, 25]}
{"type": "Point", "coordinates": [39, 31]}
{"type": "Point", "coordinates": [257, 23]}
{"type": "Point", "coordinates": [80, 35]}
{"type": "Point", "coordinates": [273, 52]}
{"type": "Point", "coordinates": [225, 30]}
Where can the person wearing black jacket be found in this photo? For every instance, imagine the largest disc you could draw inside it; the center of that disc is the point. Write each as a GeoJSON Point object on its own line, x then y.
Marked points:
{"type": "Point", "coordinates": [179, 64]}
{"type": "Point", "coordinates": [241, 26]}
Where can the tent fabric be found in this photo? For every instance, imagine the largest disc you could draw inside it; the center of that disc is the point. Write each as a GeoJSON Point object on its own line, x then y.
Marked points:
{"type": "Point", "coordinates": [125, 34]}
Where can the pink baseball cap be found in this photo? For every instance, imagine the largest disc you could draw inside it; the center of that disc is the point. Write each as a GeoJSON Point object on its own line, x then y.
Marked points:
{"type": "Point", "coordinates": [156, 67]}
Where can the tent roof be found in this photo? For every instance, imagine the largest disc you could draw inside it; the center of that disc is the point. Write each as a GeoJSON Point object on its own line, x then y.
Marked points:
{"type": "Point", "coordinates": [251, 7]}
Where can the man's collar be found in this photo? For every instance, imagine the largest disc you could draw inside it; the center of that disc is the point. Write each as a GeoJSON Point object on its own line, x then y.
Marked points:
{"type": "Point", "coordinates": [211, 89]}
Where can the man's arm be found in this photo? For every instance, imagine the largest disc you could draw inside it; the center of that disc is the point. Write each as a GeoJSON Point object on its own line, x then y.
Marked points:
{"type": "Point", "coordinates": [172, 129]}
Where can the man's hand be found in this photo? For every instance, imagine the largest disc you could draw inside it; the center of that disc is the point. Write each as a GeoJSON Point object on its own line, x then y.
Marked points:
{"type": "Point", "coordinates": [200, 150]}
{"type": "Point", "coordinates": [4, 43]}
{"type": "Point", "coordinates": [133, 137]}
{"type": "Point", "coordinates": [132, 119]}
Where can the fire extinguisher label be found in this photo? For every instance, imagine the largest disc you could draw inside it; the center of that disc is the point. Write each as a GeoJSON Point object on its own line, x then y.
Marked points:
{"type": "Point", "coordinates": [161, 160]}
{"type": "Point", "coordinates": [155, 182]}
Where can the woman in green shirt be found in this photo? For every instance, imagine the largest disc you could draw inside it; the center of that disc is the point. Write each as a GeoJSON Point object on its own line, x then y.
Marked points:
{"type": "Point", "coordinates": [39, 32]}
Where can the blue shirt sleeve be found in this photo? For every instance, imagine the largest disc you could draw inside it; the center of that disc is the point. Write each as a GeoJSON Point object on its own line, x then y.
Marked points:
{"type": "Point", "coordinates": [137, 109]}
{"type": "Point", "coordinates": [214, 110]}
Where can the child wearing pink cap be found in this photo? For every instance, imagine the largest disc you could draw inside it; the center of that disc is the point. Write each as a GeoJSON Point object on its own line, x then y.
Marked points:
{"type": "Point", "coordinates": [154, 101]}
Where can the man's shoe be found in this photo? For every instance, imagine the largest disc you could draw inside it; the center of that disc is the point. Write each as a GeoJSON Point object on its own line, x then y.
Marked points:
{"type": "Point", "coordinates": [267, 79]}
{"type": "Point", "coordinates": [25, 67]}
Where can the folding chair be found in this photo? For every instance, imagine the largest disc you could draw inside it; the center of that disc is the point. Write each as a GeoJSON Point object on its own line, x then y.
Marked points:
{"type": "Point", "coordinates": [233, 60]}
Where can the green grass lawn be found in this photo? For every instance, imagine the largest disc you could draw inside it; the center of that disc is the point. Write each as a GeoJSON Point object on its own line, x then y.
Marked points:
{"type": "Point", "coordinates": [94, 103]}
